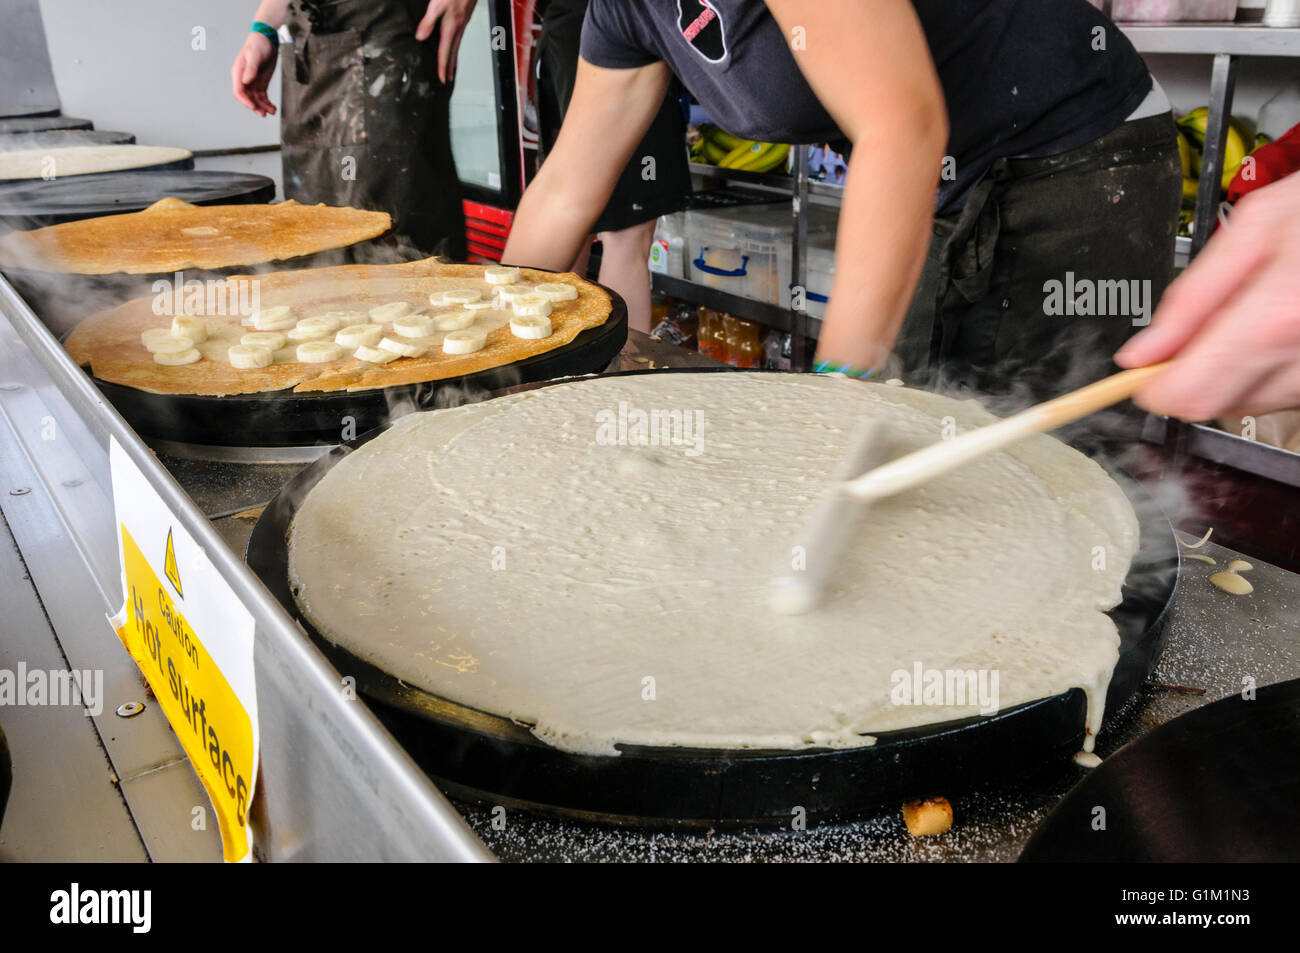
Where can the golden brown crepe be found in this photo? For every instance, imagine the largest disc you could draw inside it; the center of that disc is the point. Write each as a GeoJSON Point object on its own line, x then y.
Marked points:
{"type": "Point", "coordinates": [172, 235]}
{"type": "Point", "coordinates": [109, 342]}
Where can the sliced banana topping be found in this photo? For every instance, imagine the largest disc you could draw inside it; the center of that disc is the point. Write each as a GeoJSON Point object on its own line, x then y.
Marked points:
{"type": "Point", "coordinates": [461, 296]}
{"type": "Point", "coordinates": [375, 355]}
{"type": "Point", "coordinates": [319, 352]}
{"type": "Point", "coordinates": [414, 326]}
{"type": "Point", "coordinates": [274, 319]}
{"type": "Point", "coordinates": [402, 348]}
{"type": "Point", "coordinates": [176, 358]}
{"type": "Point", "coordinates": [453, 320]}
{"type": "Point", "coordinates": [508, 293]}
{"type": "Point", "coordinates": [557, 291]}
{"type": "Point", "coordinates": [271, 340]}
{"type": "Point", "coordinates": [359, 334]}
{"type": "Point", "coordinates": [389, 312]}
{"type": "Point", "coordinates": [465, 341]}
{"type": "Point", "coordinates": [479, 305]}
{"type": "Point", "coordinates": [188, 326]}
{"type": "Point", "coordinates": [314, 329]}
{"type": "Point", "coordinates": [153, 338]}
{"type": "Point", "coordinates": [532, 305]}
{"type": "Point", "coordinates": [169, 345]}
{"type": "Point", "coordinates": [531, 326]}
{"type": "Point", "coordinates": [248, 356]}
{"type": "Point", "coordinates": [500, 275]}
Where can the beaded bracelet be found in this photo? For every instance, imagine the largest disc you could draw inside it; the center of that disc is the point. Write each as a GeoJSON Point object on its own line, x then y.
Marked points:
{"type": "Point", "coordinates": [848, 370]}
{"type": "Point", "coordinates": [267, 31]}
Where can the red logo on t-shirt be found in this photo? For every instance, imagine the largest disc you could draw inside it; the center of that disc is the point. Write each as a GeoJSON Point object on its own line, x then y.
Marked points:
{"type": "Point", "coordinates": [701, 26]}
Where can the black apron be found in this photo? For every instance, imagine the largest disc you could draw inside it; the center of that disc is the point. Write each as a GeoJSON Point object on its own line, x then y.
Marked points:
{"type": "Point", "coordinates": [1104, 212]}
{"type": "Point", "coordinates": [366, 122]}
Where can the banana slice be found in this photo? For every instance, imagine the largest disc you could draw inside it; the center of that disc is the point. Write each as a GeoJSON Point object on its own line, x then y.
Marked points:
{"type": "Point", "coordinates": [271, 340]}
{"type": "Point", "coordinates": [531, 326]}
{"type": "Point", "coordinates": [500, 275]}
{"type": "Point", "coordinates": [170, 344]}
{"type": "Point", "coordinates": [274, 319]}
{"type": "Point", "coordinates": [314, 329]}
{"type": "Point", "coordinates": [461, 296]}
{"type": "Point", "coordinates": [453, 320]}
{"type": "Point", "coordinates": [359, 334]}
{"type": "Point", "coordinates": [187, 326]}
{"type": "Point", "coordinates": [465, 341]}
{"type": "Point", "coordinates": [533, 305]}
{"type": "Point", "coordinates": [508, 293]}
{"type": "Point", "coordinates": [319, 352]}
{"type": "Point", "coordinates": [176, 358]}
{"type": "Point", "coordinates": [557, 292]}
{"type": "Point", "coordinates": [248, 357]}
{"type": "Point", "coordinates": [479, 305]}
{"type": "Point", "coordinates": [375, 355]}
{"type": "Point", "coordinates": [153, 338]}
{"type": "Point", "coordinates": [414, 326]}
{"type": "Point", "coordinates": [389, 312]}
{"type": "Point", "coordinates": [401, 348]}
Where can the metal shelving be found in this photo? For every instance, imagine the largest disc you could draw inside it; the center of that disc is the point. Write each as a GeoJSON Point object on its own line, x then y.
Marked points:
{"type": "Point", "coordinates": [1214, 39]}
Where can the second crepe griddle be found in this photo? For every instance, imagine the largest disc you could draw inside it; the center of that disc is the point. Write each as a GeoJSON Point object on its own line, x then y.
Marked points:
{"type": "Point", "coordinates": [479, 755]}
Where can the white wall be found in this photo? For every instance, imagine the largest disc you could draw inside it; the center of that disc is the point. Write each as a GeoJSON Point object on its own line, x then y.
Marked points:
{"type": "Point", "coordinates": [1186, 80]}
{"type": "Point", "coordinates": [132, 65]}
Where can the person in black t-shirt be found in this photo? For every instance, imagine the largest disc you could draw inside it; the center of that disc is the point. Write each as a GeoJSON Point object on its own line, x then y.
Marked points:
{"type": "Point", "coordinates": [1002, 149]}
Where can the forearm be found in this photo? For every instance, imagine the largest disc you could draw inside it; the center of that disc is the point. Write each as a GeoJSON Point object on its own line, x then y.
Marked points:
{"type": "Point", "coordinates": [886, 222]}
{"type": "Point", "coordinates": [272, 12]}
{"type": "Point", "coordinates": [554, 218]}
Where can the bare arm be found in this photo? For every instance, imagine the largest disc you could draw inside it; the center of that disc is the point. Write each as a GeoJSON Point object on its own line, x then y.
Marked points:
{"type": "Point", "coordinates": [250, 75]}
{"type": "Point", "coordinates": [869, 64]}
{"type": "Point", "coordinates": [1231, 323]}
{"type": "Point", "coordinates": [611, 108]}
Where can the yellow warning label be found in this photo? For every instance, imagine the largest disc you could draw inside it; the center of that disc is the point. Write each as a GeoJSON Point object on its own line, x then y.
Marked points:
{"type": "Point", "coordinates": [169, 566]}
{"type": "Point", "coordinates": [213, 727]}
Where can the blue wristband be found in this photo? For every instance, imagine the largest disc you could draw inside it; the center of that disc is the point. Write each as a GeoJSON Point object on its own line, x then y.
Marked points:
{"type": "Point", "coordinates": [267, 31]}
{"type": "Point", "coordinates": [848, 370]}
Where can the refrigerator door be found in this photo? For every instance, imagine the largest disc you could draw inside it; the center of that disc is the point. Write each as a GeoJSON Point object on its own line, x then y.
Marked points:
{"type": "Point", "coordinates": [484, 119]}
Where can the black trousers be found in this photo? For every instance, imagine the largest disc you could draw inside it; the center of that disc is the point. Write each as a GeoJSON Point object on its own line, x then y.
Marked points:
{"type": "Point", "coordinates": [366, 122]}
{"type": "Point", "coordinates": [1099, 220]}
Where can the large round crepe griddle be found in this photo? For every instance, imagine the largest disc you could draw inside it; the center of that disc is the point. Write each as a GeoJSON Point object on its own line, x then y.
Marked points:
{"type": "Point", "coordinates": [56, 138]}
{"type": "Point", "coordinates": [483, 756]}
{"type": "Point", "coordinates": [35, 203]}
{"type": "Point", "coordinates": [289, 419]}
{"type": "Point", "coordinates": [1218, 784]}
{"type": "Point", "coordinates": [20, 124]}
{"type": "Point", "coordinates": [171, 165]}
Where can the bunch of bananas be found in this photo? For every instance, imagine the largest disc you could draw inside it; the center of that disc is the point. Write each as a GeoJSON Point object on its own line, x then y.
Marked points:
{"type": "Point", "coordinates": [1191, 143]}
{"type": "Point", "coordinates": [726, 151]}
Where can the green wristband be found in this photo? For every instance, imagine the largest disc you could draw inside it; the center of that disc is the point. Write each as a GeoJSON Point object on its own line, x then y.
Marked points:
{"type": "Point", "coordinates": [267, 31]}
{"type": "Point", "coordinates": [849, 370]}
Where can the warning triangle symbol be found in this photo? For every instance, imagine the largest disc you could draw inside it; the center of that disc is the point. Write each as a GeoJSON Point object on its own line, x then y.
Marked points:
{"type": "Point", "coordinates": [169, 566]}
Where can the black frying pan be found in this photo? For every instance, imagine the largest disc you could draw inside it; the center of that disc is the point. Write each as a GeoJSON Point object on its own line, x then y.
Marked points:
{"type": "Point", "coordinates": [475, 754]}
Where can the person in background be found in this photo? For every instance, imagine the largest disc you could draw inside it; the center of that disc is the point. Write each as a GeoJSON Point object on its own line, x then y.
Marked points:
{"type": "Point", "coordinates": [366, 89]}
{"type": "Point", "coordinates": [998, 145]}
{"type": "Point", "coordinates": [645, 189]}
{"type": "Point", "coordinates": [1231, 323]}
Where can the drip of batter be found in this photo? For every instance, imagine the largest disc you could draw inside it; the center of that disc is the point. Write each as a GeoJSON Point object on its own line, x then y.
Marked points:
{"type": "Point", "coordinates": [592, 559]}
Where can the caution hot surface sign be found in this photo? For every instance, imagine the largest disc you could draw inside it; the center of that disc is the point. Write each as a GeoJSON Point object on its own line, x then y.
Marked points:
{"type": "Point", "coordinates": [193, 640]}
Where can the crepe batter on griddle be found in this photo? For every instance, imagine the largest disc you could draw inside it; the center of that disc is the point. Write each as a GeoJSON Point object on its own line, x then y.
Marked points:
{"type": "Point", "coordinates": [510, 556]}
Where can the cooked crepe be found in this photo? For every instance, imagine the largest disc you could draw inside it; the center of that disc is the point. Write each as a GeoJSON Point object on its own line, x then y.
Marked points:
{"type": "Point", "coordinates": [592, 559]}
{"type": "Point", "coordinates": [172, 235]}
{"type": "Point", "coordinates": [109, 343]}
{"type": "Point", "coordinates": [62, 161]}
